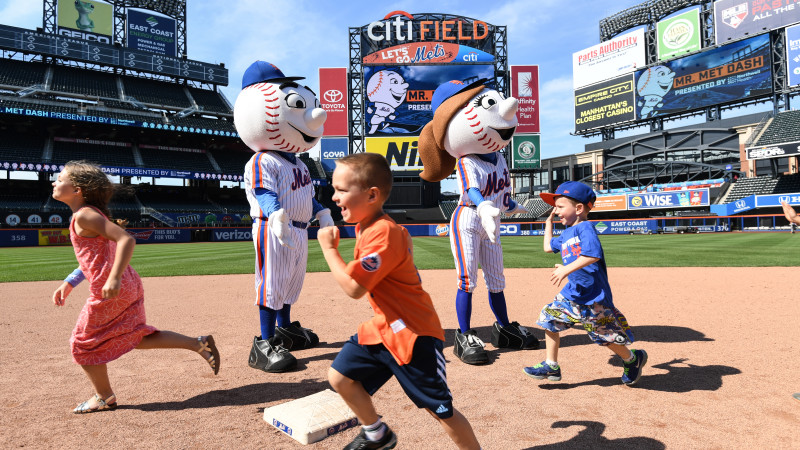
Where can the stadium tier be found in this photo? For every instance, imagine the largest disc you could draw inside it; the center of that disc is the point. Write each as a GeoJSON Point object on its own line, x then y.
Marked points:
{"type": "Point", "coordinates": [21, 74]}
{"type": "Point", "coordinates": [184, 160]}
{"type": "Point", "coordinates": [84, 82]}
{"type": "Point", "coordinates": [209, 101]}
{"type": "Point", "coordinates": [156, 92]}
{"type": "Point", "coordinates": [784, 127]}
{"type": "Point", "coordinates": [21, 147]}
{"type": "Point", "coordinates": [106, 155]}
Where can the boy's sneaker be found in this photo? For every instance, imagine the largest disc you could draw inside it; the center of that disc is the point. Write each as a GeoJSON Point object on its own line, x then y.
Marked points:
{"type": "Point", "coordinates": [270, 355]}
{"type": "Point", "coordinates": [513, 336]}
{"type": "Point", "coordinates": [544, 370]}
{"type": "Point", "coordinates": [469, 347]}
{"type": "Point", "coordinates": [633, 369]}
{"type": "Point", "coordinates": [296, 337]}
{"type": "Point", "coordinates": [361, 442]}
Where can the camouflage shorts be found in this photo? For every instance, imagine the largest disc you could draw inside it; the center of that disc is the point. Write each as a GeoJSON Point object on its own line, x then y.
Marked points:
{"type": "Point", "coordinates": [605, 325]}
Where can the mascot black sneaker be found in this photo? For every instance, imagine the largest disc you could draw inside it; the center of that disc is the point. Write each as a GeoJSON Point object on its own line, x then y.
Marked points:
{"type": "Point", "coordinates": [271, 356]}
{"type": "Point", "coordinates": [469, 347]}
{"type": "Point", "coordinates": [296, 337]}
{"type": "Point", "coordinates": [513, 336]}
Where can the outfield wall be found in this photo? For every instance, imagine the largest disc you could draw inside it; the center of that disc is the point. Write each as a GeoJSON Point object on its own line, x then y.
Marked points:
{"type": "Point", "coordinates": [32, 237]}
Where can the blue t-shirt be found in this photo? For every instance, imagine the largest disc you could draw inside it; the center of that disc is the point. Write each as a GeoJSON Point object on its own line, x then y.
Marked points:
{"type": "Point", "coordinates": [590, 284]}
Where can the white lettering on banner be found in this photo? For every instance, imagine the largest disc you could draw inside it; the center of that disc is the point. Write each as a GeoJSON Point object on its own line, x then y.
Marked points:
{"type": "Point", "coordinates": [333, 154]}
{"type": "Point", "coordinates": [233, 235]}
{"type": "Point", "coordinates": [657, 200]}
{"type": "Point", "coordinates": [509, 229]}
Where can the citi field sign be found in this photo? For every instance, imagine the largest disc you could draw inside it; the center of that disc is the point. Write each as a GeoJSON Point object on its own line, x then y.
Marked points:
{"type": "Point", "coordinates": [404, 28]}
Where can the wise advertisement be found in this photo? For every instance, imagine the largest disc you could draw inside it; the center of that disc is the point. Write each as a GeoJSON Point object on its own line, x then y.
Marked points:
{"type": "Point", "coordinates": [725, 74]}
{"type": "Point", "coordinates": [610, 203]}
{"type": "Point", "coordinates": [616, 56]}
{"type": "Point", "coordinates": [606, 103]}
{"type": "Point", "coordinates": [671, 199]}
{"type": "Point", "coordinates": [526, 151]}
{"type": "Point", "coordinates": [793, 55]}
{"type": "Point", "coordinates": [735, 19]}
{"type": "Point", "coordinates": [150, 32]}
{"type": "Point", "coordinates": [678, 35]}
{"type": "Point", "coordinates": [333, 99]}
{"type": "Point", "coordinates": [428, 53]}
{"type": "Point", "coordinates": [85, 19]}
{"type": "Point", "coordinates": [401, 152]}
{"type": "Point", "coordinates": [398, 98]}
{"type": "Point", "coordinates": [525, 88]}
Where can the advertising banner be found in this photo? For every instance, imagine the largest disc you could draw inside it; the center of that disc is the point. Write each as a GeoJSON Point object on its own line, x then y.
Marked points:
{"type": "Point", "coordinates": [678, 35]}
{"type": "Point", "coordinates": [606, 103]}
{"type": "Point", "coordinates": [626, 226]}
{"type": "Point", "coordinates": [735, 19]}
{"type": "Point", "coordinates": [793, 55]}
{"type": "Point", "coordinates": [398, 98]}
{"type": "Point", "coordinates": [54, 236]}
{"type": "Point", "coordinates": [610, 203]}
{"type": "Point", "coordinates": [91, 20]}
{"type": "Point", "coordinates": [670, 199]}
{"type": "Point", "coordinates": [525, 88]}
{"type": "Point", "coordinates": [741, 205]}
{"type": "Point", "coordinates": [526, 151]}
{"type": "Point", "coordinates": [428, 53]}
{"type": "Point", "coordinates": [763, 201]}
{"type": "Point", "coordinates": [151, 32]}
{"type": "Point", "coordinates": [231, 234]}
{"type": "Point", "coordinates": [773, 151]}
{"type": "Point", "coordinates": [401, 152]}
{"type": "Point", "coordinates": [160, 235]}
{"type": "Point", "coordinates": [333, 99]}
{"type": "Point", "coordinates": [332, 149]}
{"type": "Point", "coordinates": [616, 56]}
{"type": "Point", "coordinates": [725, 74]}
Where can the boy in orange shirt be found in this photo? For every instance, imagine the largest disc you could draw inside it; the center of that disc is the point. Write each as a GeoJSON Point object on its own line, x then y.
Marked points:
{"type": "Point", "coordinates": [405, 338]}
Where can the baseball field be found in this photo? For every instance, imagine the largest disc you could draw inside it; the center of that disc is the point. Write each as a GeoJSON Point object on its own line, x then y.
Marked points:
{"type": "Point", "coordinates": [721, 372]}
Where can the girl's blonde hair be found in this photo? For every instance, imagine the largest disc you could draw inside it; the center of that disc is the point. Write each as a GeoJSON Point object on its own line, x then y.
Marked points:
{"type": "Point", "coordinates": [95, 186]}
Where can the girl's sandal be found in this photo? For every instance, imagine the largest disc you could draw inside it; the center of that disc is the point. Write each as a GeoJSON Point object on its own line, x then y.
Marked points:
{"type": "Point", "coordinates": [208, 345]}
{"type": "Point", "coordinates": [108, 404]}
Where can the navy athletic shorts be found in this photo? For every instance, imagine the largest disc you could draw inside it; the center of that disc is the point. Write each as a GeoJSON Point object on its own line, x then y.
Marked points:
{"type": "Point", "coordinates": [424, 378]}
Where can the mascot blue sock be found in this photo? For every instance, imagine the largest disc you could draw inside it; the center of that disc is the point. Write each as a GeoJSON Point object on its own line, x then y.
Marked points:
{"type": "Point", "coordinates": [267, 316]}
{"type": "Point", "coordinates": [284, 315]}
{"type": "Point", "coordinates": [464, 309]}
{"type": "Point", "coordinates": [497, 301]}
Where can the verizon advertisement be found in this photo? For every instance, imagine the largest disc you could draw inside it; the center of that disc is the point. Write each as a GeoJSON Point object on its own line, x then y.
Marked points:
{"type": "Point", "coordinates": [333, 99]}
{"type": "Point", "coordinates": [525, 88]}
{"type": "Point", "coordinates": [619, 55]}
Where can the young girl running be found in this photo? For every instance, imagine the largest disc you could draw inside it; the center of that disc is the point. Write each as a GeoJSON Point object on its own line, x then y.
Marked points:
{"type": "Point", "coordinates": [112, 322]}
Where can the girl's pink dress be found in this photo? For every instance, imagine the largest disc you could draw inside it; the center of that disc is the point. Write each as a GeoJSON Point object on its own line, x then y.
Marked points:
{"type": "Point", "coordinates": [106, 328]}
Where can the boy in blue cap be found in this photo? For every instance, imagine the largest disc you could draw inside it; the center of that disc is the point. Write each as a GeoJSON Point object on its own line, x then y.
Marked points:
{"type": "Point", "coordinates": [586, 299]}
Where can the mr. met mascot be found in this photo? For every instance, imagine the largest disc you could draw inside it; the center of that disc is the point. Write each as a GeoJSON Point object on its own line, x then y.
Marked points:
{"type": "Point", "coordinates": [278, 118]}
{"type": "Point", "coordinates": [471, 122]}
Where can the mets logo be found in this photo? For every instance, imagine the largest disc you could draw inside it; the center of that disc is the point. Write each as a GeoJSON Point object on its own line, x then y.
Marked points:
{"type": "Point", "coordinates": [442, 230]}
{"type": "Point", "coordinates": [371, 262]}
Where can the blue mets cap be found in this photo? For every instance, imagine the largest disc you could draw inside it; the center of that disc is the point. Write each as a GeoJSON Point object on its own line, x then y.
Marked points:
{"type": "Point", "coordinates": [262, 71]}
{"type": "Point", "coordinates": [450, 89]}
{"type": "Point", "coordinates": [572, 189]}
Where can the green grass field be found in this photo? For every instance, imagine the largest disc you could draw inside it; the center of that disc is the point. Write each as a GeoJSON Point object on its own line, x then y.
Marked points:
{"type": "Point", "coordinates": [671, 250]}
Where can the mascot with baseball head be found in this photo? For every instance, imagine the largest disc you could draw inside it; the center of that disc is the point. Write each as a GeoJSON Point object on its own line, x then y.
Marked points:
{"type": "Point", "coordinates": [471, 123]}
{"type": "Point", "coordinates": [278, 118]}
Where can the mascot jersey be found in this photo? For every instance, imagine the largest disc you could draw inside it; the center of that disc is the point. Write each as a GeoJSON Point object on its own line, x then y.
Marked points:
{"type": "Point", "coordinates": [490, 178]}
{"type": "Point", "coordinates": [290, 181]}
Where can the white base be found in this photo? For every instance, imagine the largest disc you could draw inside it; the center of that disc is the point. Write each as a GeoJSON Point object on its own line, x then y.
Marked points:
{"type": "Point", "coordinates": [312, 418]}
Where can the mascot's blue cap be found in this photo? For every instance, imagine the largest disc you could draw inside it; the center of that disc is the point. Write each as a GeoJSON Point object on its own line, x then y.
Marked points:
{"type": "Point", "coordinates": [261, 72]}
{"type": "Point", "coordinates": [450, 89]}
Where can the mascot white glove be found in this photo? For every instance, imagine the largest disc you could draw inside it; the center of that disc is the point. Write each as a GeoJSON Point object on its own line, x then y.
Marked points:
{"type": "Point", "coordinates": [490, 219]}
{"type": "Point", "coordinates": [278, 223]}
{"type": "Point", "coordinates": [518, 209]}
{"type": "Point", "coordinates": [325, 219]}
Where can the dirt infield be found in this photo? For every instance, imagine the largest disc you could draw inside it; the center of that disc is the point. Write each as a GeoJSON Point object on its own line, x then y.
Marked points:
{"type": "Point", "coordinates": [722, 344]}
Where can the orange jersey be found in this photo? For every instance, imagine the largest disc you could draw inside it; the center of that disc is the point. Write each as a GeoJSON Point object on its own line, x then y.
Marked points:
{"type": "Point", "coordinates": [384, 265]}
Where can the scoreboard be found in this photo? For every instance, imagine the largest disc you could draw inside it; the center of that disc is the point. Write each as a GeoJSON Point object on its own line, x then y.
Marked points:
{"type": "Point", "coordinates": [20, 39]}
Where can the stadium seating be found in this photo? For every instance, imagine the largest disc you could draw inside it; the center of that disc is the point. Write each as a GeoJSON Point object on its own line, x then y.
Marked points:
{"type": "Point", "coordinates": [233, 200]}
{"type": "Point", "coordinates": [106, 155]}
{"type": "Point", "coordinates": [746, 187]}
{"type": "Point", "coordinates": [176, 160]}
{"type": "Point", "coordinates": [21, 147]}
{"type": "Point", "coordinates": [175, 199]}
{"type": "Point", "coordinates": [203, 123]}
{"type": "Point", "coordinates": [84, 82]}
{"type": "Point", "coordinates": [787, 184]}
{"type": "Point", "coordinates": [448, 207]}
{"type": "Point", "coordinates": [19, 73]}
{"type": "Point", "coordinates": [209, 101]}
{"type": "Point", "coordinates": [156, 92]}
{"type": "Point", "coordinates": [785, 127]}
{"type": "Point", "coordinates": [231, 162]}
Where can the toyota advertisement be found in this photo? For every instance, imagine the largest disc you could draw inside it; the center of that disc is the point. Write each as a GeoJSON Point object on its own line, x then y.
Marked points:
{"type": "Point", "coordinates": [333, 99]}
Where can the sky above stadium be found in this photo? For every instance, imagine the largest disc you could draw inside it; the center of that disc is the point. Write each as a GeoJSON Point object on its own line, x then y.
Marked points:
{"type": "Point", "coordinates": [301, 36]}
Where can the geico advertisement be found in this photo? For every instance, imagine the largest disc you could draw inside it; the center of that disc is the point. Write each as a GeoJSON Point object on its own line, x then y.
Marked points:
{"type": "Point", "coordinates": [401, 152]}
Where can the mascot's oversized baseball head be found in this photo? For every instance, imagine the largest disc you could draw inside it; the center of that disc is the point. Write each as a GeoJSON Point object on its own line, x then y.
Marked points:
{"type": "Point", "coordinates": [467, 119]}
{"type": "Point", "coordinates": [273, 112]}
